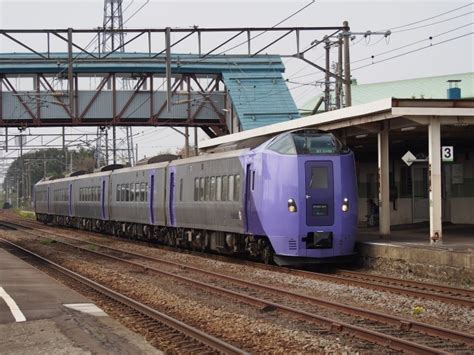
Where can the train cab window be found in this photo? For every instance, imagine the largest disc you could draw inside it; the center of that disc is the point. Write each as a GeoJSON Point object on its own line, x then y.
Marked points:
{"type": "Point", "coordinates": [98, 193]}
{"type": "Point", "coordinates": [237, 188]}
{"type": "Point", "coordinates": [231, 187]}
{"type": "Point", "coordinates": [196, 189]}
{"type": "Point", "coordinates": [253, 180]}
{"type": "Point", "coordinates": [219, 188]}
{"type": "Point", "coordinates": [319, 178]}
{"type": "Point", "coordinates": [212, 188]}
{"type": "Point", "coordinates": [181, 189]}
{"type": "Point", "coordinates": [146, 191]}
{"type": "Point", "coordinates": [283, 145]}
{"type": "Point", "coordinates": [201, 189]}
{"type": "Point", "coordinates": [206, 188]}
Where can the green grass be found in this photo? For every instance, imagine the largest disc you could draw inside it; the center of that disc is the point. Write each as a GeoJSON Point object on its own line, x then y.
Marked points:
{"type": "Point", "coordinates": [26, 214]}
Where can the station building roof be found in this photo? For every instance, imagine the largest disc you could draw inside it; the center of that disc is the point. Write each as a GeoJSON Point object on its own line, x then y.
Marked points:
{"type": "Point", "coordinates": [433, 87]}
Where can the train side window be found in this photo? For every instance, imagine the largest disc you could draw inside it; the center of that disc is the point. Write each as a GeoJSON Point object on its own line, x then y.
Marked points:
{"type": "Point", "coordinates": [206, 188]}
{"type": "Point", "coordinates": [219, 188]}
{"type": "Point", "coordinates": [117, 194]}
{"type": "Point", "coordinates": [231, 187]}
{"type": "Point", "coordinates": [201, 189]}
{"type": "Point", "coordinates": [253, 180]}
{"type": "Point", "coordinates": [146, 191]}
{"type": "Point", "coordinates": [196, 189]}
{"type": "Point", "coordinates": [98, 193]}
{"type": "Point", "coordinates": [142, 191]}
{"type": "Point", "coordinates": [137, 191]}
{"type": "Point", "coordinates": [225, 188]}
{"type": "Point", "coordinates": [212, 193]}
{"type": "Point", "coordinates": [237, 188]}
{"type": "Point", "coordinates": [181, 189]}
{"type": "Point", "coordinates": [122, 193]}
{"type": "Point", "coordinates": [127, 192]}
{"type": "Point", "coordinates": [132, 192]}
{"type": "Point", "coordinates": [80, 194]}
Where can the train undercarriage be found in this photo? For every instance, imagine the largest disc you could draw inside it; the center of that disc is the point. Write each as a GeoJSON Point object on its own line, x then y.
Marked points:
{"type": "Point", "coordinates": [257, 247]}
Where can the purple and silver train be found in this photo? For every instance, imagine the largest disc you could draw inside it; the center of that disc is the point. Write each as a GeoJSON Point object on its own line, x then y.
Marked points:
{"type": "Point", "coordinates": [291, 200]}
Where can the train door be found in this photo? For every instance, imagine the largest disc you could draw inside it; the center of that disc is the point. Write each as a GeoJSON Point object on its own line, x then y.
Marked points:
{"type": "Point", "coordinates": [171, 201]}
{"type": "Point", "coordinates": [151, 193]}
{"type": "Point", "coordinates": [248, 194]}
{"type": "Point", "coordinates": [319, 193]}
{"type": "Point", "coordinates": [102, 200]}
{"type": "Point", "coordinates": [70, 201]}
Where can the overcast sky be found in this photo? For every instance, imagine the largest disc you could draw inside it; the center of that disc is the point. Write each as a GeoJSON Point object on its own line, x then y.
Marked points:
{"type": "Point", "coordinates": [454, 56]}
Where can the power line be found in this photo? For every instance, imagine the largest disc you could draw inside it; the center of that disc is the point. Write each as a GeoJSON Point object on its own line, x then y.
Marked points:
{"type": "Point", "coordinates": [415, 50]}
{"type": "Point", "coordinates": [412, 43]}
{"type": "Point", "coordinates": [430, 18]}
{"type": "Point", "coordinates": [434, 23]}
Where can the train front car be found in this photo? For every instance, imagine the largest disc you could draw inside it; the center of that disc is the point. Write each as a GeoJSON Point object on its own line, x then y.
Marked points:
{"type": "Point", "coordinates": [302, 195]}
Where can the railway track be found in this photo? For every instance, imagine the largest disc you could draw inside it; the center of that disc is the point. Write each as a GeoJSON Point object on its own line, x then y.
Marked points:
{"type": "Point", "coordinates": [376, 327]}
{"type": "Point", "coordinates": [178, 336]}
{"type": "Point", "coordinates": [429, 291]}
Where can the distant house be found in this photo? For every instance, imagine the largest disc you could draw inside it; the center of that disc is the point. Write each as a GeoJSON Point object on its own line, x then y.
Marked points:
{"type": "Point", "coordinates": [433, 87]}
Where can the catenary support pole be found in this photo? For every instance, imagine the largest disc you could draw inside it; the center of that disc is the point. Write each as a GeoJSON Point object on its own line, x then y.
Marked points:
{"type": "Point", "coordinates": [383, 173]}
{"type": "Point", "coordinates": [347, 65]}
{"type": "Point", "coordinates": [434, 171]}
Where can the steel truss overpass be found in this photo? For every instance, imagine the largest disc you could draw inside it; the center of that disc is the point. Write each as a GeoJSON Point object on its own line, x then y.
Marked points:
{"type": "Point", "coordinates": [212, 90]}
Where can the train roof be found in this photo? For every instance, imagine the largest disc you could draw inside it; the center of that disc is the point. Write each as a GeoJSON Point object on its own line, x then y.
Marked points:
{"type": "Point", "coordinates": [213, 156]}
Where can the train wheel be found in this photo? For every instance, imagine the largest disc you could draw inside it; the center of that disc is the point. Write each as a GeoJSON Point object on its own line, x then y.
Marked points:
{"type": "Point", "coordinates": [267, 254]}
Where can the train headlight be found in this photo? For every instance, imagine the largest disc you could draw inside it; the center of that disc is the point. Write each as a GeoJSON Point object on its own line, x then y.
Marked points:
{"type": "Point", "coordinates": [345, 205]}
{"type": "Point", "coordinates": [292, 205]}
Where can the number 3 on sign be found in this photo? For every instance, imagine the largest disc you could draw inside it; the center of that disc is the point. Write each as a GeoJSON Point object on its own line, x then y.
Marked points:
{"type": "Point", "coordinates": [447, 153]}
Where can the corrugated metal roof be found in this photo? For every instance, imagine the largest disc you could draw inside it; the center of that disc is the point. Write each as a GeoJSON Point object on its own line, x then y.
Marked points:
{"type": "Point", "coordinates": [434, 87]}
{"type": "Point", "coordinates": [260, 99]}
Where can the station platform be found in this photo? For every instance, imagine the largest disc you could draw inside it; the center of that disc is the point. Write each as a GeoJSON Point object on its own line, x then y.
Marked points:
{"type": "Point", "coordinates": [39, 315]}
{"type": "Point", "coordinates": [408, 250]}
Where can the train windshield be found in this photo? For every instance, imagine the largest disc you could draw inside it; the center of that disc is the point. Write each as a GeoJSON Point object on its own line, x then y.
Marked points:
{"type": "Point", "coordinates": [308, 143]}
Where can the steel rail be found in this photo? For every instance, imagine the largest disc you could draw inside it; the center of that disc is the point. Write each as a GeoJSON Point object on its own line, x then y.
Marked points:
{"type": "Point", "coordinates": [351, 310]}
{"type": "Point", "coordinates": [421, 291]}
{"type": "Point", "coordinates": [192, 332]}
{"type": "Point", "coordinates": [409, 283]}
{"type": "Point", "coordinates": [369, 335]}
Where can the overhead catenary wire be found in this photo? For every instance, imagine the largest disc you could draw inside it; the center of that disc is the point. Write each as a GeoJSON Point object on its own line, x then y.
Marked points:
{"type": "Point", "coordinates": [415, 50]}
{"type": "Point", "coordinates": [433, 23]}
{"type": "Point", "coordinates": [431, 18]}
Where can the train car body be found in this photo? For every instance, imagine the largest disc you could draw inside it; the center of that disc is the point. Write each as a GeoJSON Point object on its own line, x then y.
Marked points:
{"type": "Point", "coordinates": [292, 200]}
{"type": "Point", "coordinates": [302, 194]}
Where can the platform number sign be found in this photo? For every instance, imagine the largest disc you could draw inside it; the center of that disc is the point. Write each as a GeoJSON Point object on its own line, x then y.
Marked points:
{"type": "Point", "coordinates": [447, 153]}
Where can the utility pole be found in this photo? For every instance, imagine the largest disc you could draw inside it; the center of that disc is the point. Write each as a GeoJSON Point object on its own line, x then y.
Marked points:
{"type": "Point", "coordinates": [327, 78]}
{"type": "Point", "coordinates": [186, 142]}
{"type": "Point", "coordinates": [339, 73]}
{"type": "Point", "coordinates": [347, 64]}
